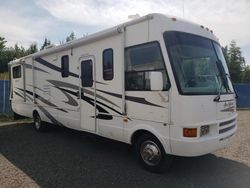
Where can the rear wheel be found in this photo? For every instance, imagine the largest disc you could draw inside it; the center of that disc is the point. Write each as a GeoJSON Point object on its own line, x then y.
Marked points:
{"type": "Point", "coordinates": [39, 125]}
{"type": "Point", "coordinates": [151, 154]}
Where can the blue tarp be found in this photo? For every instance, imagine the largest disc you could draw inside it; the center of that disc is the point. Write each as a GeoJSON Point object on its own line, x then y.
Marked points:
{"type": "Point", "coordinates": [4, 98]}
{"type": "Point", "coordinates": [243, 92]}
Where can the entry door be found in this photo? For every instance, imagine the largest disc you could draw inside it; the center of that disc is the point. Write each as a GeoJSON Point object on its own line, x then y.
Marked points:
{"type": "Point", "coordinates": [17, 85]}
{"type": "Point", "coordinates": [87, 93]}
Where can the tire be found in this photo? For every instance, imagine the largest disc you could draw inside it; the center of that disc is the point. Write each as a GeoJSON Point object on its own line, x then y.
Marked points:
{"type": "Point", "coordinates": [151, 154]}
{"type": "Point", "coordinates": [39, 125]}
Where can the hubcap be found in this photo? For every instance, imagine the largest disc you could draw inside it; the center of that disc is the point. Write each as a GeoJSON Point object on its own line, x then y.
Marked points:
{"type": "Point", "coordinates": [150, 153]}
{"type": "Point", "coordinates": [37, 122]}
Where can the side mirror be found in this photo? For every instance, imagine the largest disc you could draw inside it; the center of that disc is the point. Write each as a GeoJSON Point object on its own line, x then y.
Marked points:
{"type": "Point", "coordinates": [156, 81]}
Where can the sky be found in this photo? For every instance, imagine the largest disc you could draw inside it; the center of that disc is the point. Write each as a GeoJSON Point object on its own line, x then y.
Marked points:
{"type": "Point", "coordinates": [28, 21]}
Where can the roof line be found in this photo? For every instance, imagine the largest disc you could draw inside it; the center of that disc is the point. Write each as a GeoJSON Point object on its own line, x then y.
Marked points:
{"type": "Point", "coordinates": [88, 39]}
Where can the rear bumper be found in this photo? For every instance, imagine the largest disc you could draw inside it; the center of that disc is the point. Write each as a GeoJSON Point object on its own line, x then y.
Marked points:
{"type": "Point", "coordinates": [203, 145]}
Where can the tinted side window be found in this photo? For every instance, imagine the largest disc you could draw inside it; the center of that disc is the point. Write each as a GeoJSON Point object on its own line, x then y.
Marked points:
{"type": "Point", "coordinates": [65, 66]}
{"type": "Point", "coordinates": [87, 73]}
{"type": "Point", "coordinates": [17, 72]}
{"type": "Point", "coordinates": [140, 61]}
{"type": "Point", "coordinates": [107, 62]}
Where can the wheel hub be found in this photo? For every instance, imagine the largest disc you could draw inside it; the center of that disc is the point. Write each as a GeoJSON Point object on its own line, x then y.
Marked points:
{"type": "Point", "coordinates": [37, 123]}
{"type": "Point", "coordinates": [150, 153]}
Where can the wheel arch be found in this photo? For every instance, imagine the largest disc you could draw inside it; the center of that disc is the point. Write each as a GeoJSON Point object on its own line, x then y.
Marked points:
{"type": "Point", "coordinates": [35, 112]}
{"type": "Point", "coordinates": [137, 133]}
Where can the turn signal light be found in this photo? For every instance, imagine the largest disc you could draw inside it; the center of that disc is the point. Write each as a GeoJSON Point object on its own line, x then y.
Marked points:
{"type": "Point", "coordinates": [190, 132]}
{"type": "Point", "coordinates": [173, 18]}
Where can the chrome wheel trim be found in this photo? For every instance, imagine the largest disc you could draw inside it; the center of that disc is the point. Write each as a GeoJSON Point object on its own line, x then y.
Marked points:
{"type": "Point", "coordinates": [37, 122]}
{"type": "Point", "coordinates": [150, 153]}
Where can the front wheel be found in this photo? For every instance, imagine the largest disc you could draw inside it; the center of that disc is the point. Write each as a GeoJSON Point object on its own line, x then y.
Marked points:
{"type": "Point", "coordinates": [39, 125]}
{"type": "Point", "coordinates": [151, 154]}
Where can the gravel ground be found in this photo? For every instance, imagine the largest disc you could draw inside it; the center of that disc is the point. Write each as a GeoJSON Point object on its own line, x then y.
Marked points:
{"type": "Point", "coordinates": [11, 176]}
{"type": "Point", "coordinates": [67, 158]}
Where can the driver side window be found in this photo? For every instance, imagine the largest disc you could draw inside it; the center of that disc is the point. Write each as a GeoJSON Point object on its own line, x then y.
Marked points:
{"type": "Point", "coordinates": [140, 60]}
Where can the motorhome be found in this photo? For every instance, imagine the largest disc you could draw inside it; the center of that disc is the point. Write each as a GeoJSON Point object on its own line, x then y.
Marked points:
{"type": "Point", "coordinates": [157, 82]}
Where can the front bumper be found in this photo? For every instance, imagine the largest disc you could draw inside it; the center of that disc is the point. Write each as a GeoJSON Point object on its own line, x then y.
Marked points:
{"type": "Point", "coordinates": [220, 137]}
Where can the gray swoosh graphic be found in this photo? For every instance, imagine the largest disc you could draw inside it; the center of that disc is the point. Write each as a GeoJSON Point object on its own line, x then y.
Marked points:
{"type": "Point", "coordinates": [71, 100]}
{"type": "Point", "coordinates": [43, 100]}
{"type": "Point", "coordinates": [75, 87]}
{"type": "Point", "coordinates": [28, 66]}
{"type": "Point", "coordinates": [52, 119]}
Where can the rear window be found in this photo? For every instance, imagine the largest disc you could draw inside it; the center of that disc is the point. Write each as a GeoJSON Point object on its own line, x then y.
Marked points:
{"type": "Point", "coordinates": [17, 73]}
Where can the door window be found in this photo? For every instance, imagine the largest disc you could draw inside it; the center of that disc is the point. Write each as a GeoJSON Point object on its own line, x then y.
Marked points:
{"type": "Point", "coordinates": [87, 73]}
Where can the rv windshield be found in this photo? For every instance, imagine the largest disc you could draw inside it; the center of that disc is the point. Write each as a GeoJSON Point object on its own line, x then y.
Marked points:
{"type": "Point", "coordinates": [198, 64]}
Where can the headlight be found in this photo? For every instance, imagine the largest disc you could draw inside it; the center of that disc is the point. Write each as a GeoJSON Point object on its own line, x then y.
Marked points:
{"type": "Point", "coordinates": [204, 130]}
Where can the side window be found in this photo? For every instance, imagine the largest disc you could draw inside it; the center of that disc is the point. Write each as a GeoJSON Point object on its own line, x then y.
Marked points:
{"type": "Point", "coordinates": [87, 73]}
{"type": "Point", "coordinates": [140, 61]}
{"type": "Point", "coordinates": [65, 66]}
{"type": "Point", "coordinates": [107, 64]}
{"type": "Point", "coordinates": [17, 72]}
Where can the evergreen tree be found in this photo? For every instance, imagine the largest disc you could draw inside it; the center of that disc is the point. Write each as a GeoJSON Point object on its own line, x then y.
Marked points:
{"type": "Point", "coordinates": [19, 51]}
{"type": "Point", "coordinates": [8, 54]}
{"type": "Point", "coordinates": [71, 37]}
{"type": "Point", "coordinates": [32, 49]}
{"type": "Point", "coordinates": [246, 74]}
{"type": "Point", "coordinates": [225, 53]}
{"type": "Point", "coordinates": [236, 62]}
{"type": "Point", "coordinates": [45, 43]}
{"type": "Point", "coordinates": [2, 43]}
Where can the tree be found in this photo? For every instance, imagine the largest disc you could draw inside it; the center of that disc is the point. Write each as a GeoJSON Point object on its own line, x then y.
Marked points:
{"type": "Point", "coordinates": [8, 54]}
{"type": "Point", "coordinates": [19, 51]}
{"type": "Point", "coordinates": [71, 37]}
{"type": "Point", "coordinates": [32, 49]}
{"type": "Point", "coordinates": [45, 43]}
{"type": "Point", "coordinates": [246, 74]}
{"type": "Point", "coordinates": [225, 53]}
{"type": "Point", "coordinates": [236, 62]}
{"type": "Point", "coordinates": [2, 43]}
{"type": "Point", "coordinates": [2, 47]}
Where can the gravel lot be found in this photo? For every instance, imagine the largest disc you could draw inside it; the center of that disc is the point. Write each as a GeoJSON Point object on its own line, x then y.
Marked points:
{"type": "Point", "coordinates": [239, 150]}
{"type": "Point", "coordinates": [67, 158]}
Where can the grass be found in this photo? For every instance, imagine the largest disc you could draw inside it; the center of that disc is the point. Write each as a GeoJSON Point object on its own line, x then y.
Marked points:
{"type": "Point", "coordinates": [4, 76]}
{"type": "Point", "coordinates": [5, 118]}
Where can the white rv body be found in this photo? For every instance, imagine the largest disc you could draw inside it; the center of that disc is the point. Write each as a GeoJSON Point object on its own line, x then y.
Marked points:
{"type": "Point", "coordinates": [106, 107]}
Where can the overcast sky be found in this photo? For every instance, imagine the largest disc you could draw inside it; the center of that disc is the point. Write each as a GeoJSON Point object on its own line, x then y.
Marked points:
{"type": "Point", "coordinates": [28, 21]}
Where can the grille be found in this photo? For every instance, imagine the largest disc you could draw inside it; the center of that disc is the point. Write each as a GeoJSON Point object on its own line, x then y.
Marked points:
{"type": "Point", "coordinates": [227, 126]}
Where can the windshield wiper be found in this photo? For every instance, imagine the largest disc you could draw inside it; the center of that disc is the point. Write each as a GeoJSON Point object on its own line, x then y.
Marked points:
{"type": "Point", "coordinates": [235, 92]}
{"type": "Point", "coordinates": [223, 75]}
{"type": "Point", "coordinates": [217, 98]}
